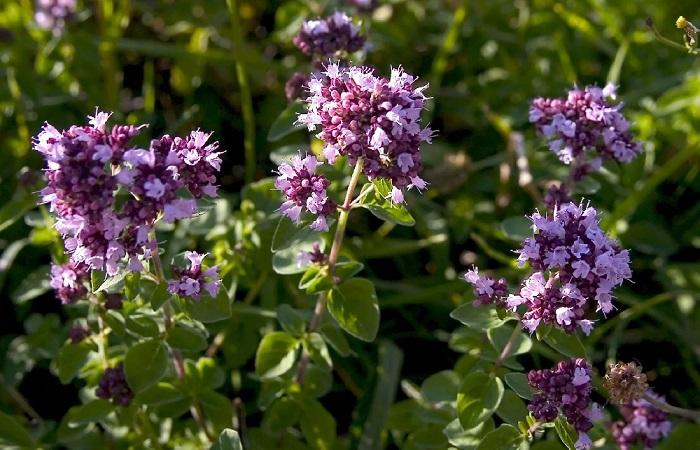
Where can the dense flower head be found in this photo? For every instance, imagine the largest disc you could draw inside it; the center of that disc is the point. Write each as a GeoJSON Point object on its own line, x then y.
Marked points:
{"type": "Point", "coordinates": [643, 424]}
{"type": "Point", "coordinates": [68, 281]}
{"type": "Point", "coordinates": [305, 190]}
{"type": "Point", "coordinates": [113, 386]}
{"type": "Point", "coordinates": [192, 281]}
{"type": "Point", "coordinates": [314, 256]}
{"type": "Point", "coordinates": [370, 117]}
{"type": "Point", "coordinates": [574, 264]}
{"type": "Point", "coordinates": [52, 14]}
{"type": "Point", "coordinates": [87, 169]}
{"type": "Point", "coordinates": [487, 290]}
{"type": "Point", "coordinates": [586, 121]}
{"type": "Point", "coordinates": [329, 37]}
{"type": "Point", "coordinates": [557, 194]}
{"type": "Point", "coordinates": [625, 383]}
{"type": "Point", "coordinates": [566, 390]}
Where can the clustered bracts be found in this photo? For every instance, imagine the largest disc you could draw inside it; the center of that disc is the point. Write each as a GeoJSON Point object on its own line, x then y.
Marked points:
{"type": "Point", "coordinates": [566, 390]}
{"type": "Point", "coordinates": [68, 281]}
{"type": "Point", "coordinates": [642, 423]}
{"type": "Point", "coordinates": [89, 167]}
{"type": "Point", "coordinates": [366, 116]}
{"type": "Point", "coordinates": [330, 37]}
{"type": "Point", "coordinates": [487, 290]}
{"type": "Point", "coordinates": [585, 128]}
{"type": "Point", "coordinates": [625, 383]}
{"type": "Point", "coordinates": [52, 14]}
{"type": "Point", "coordinates": [574, 263]}
{"type": "Point", "coordinates": [305, 190]}
{"type": "Point", "coordinates": [191, 282]}
{"type": "Point", "coordinates": [113, 386]}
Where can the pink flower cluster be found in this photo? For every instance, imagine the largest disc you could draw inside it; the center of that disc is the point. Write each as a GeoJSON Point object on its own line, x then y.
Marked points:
{"type": "Point", "coordinates": [362, 115]}
{"type": "Point", "coordinates": [193, 281]}
{"type": "Point", "coordinates": [326, 38]}
{"type": "Point", "coordinates": [89, 167]}
{"type": "Point", "coordinates": [642, 423]}
{"type": "Point", "coordinates": [52, 14]}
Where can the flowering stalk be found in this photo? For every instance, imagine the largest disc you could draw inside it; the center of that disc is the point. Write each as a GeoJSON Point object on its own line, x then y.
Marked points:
{"type": "Point", "coordinates": [663, 406]}
{"type": "Point", "coordinates": [195, 409]}
{"type": "Point", "coordinates": [332, 260]}
{"type": "Point", "coordinates": [246, 96]}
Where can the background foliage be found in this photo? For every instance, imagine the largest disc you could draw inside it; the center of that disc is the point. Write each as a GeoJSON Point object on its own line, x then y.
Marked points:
{"type": "Point", "coordinates": [172, 64]}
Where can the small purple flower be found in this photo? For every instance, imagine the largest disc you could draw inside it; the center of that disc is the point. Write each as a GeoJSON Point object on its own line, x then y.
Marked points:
{"type": "Point", "coordinates": [585, 123]}
{"type": "Point", "coordinates": [191, 282]}
{"type": "Point", "coordinates": [305, 191]}
{"type": "Point", "coordinates": [113, 386]}
{"type": "Point", "coordinates": [52, 14]}
{"type": "Point", "coordinates": [643, 424]}
{"type": "Point", "coordinates": [377, 119]}
{"type": "Point", "coordinates": [556, 195]}
{"type": "Point", "coordinates": [326, 38]}
{"type": "Point", "coordinates": [78, 333]}
{"type": "Point", "coordinates": [295, 87]}
{"type": "Point", "coordinates": [582, 264]}
{"type": "Point", "coordinates": [565, 390]}
{"type": "Point", "coordinates": [68, 280]}
{"type": "Point", "coordinates": [315, 256]}
{"type": "Point", "coordinates": [487, 290]}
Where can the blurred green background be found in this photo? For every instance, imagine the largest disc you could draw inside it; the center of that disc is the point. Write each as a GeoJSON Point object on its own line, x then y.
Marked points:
{"type": "Point", "coordinates": [172, 64]}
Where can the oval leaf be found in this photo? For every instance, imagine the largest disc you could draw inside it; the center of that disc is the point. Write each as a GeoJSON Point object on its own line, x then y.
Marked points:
{"type": "Point", "coordinates": [145, 364]}
{"type": "Point", "coordinates": [353, 304]}
{"type": "Point", "coordinates": [478, 397]}
{"type": "Point", "coordinates": [284, 125]}
{"type": "Point", "coordinates": [276, 354]}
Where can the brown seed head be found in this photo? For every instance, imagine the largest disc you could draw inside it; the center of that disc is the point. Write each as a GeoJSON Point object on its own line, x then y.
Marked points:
{"type": "Point", "coordinates": [625, 382]}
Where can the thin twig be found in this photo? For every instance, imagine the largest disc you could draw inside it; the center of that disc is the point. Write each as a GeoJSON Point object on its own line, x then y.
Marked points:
{"type": "Point", "coordinates": [663, 406]}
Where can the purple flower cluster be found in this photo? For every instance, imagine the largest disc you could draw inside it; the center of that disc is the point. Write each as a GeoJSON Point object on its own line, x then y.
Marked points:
{"type": "Point", "coordinates": [87, 166]}
{"type": "Point", "coordinates": [326, 38]}
{"type": "Point", "coordinates": [565, 389]}
{"type": "Point", "coordinates": [585, 121]}
{"type": "Point", "coordinates": [487, 290]}
{"type": "Point", "coordinates": [582, 265]}
{"type": "Point", "coordinates": [305, 190]}
{"type": "Point", "coordinates": [113, 386]}
{"type": "Point", "coordinates": [192, 281]}
{"type": "Point", "coordinates": [365, 116]}
{"type": "Point", "coordinates": [78, 333]}
{"type": "Point", "coordinates": [68, 281]}
{"type": "Point", "coordinates": [52, 14]}
{"type": "Point", "coordinates": [643, 423]}
{"type": "Point", "coordinates": [295, 87]}
{"type": "Point", "coordinates": [363, 5]}
{"type": "Point", "coordinates": [315, 256]}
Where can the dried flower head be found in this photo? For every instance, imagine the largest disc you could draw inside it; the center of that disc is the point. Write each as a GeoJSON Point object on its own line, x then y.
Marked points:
{"type": "Point", "coordinates": [642, 423]}
{"type": "Point", "coordinates": [332, 36]}
{"type": "Point", "coordinates": [566, 390]}
{"type": "Point", "coordinates": [377, 119]}
{"type": "Point", "coordinates": [585, 128]}
{"type": "Point", "coordinates": [194, 280]}
{"type": "Point", "coordinates": [625, 382]}
{"type": "Point", "coordinates": [113, 386]}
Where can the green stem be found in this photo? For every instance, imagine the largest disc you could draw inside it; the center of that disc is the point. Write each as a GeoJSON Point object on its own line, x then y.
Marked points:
{"type": "Point", "coordinates": [505, 353]}
{"type": "Point", "coordinates": [345, 209]}
{"type": "Point", "coordinates": [246, 95]}
{"type": "Point", "coordinates": [666, 41]}
{"type": "Point", "coordinates": [663, 406]}
{"type": "Point", "coordinates": [105, 11]}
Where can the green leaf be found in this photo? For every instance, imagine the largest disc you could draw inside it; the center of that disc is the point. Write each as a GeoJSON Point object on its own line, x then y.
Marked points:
{"type": "Point", "coordinates": [316, 346]}
{"type": "Point", "coordinates": [477, 317]}
{"type": "Point", "coordinates": [518, 382]}
{"type": "Point", "coordinates": [512, 410]}
{"type": "Point", "coordinates": [353, 304]}
{"type": "Point", "coordinates": [113, 283]}
{"type": "Point", "coordinates": [315, 280]}
{"type": "Point", "coordinates": [21, 202]}
{"type": "Point", "coordinates": [331, 332]}
{"type": "Point", "coordinates": [291, 320]}
{"type": "Point", "coordinates": [187, 337]}
{"type": "Point", "coordinates": [286, 261]}
{"type": "Point", "coordinates": [276, 354]}
{"type": "Point", "coordinates": [145, 364]}
{"type": "Point", "coordinates": [378, 202]}
{"type": "Point", "coordinates": [32, 285]}
{"type": "Point", "coordinates": [71, 359]}
{"type": "Point", "coordinates": [566, 344]}
{"type": "Point", "coordinates": [682, 434]}
{"type": "Point", "coordinates": [441, 387]}
{"type": "Point", "coordinates": [499, 338]}
{"type": "Point", "coordinates": [228, 440]}
{"type": "Point", "coordinates": [284, 125]}
{"type": "Point", "coordinates": [478, 397]}
{"type": "Point", "coordinates": [12, 433]}
{"type": "Point", "coordinates": [566, 433]}
{"type": "Point", "coordinates": [388, 374]}
{"type": "Point", "coordinates": [158, 295]}
{"type": "Point", "coordinates": [286, 152]}
{"type": "Point", "coordinates": [217, 407]}
{"type": "Point", "coordinates": [91, 411]}
{"type": "Point", "coordinates": [142, 325]}
{"type": "Point", "coordinates": [505, 437]}
{"type": "Point", "coordinates": [317, 425]}
{"type": "Point", "coordinates": [287, 234]}
{"type": "Point", "coordinates": [208, 309]}
{"type": "Point", "coordinates": [517, 228]}
{"type": "Point", "coordinates": [161, 393]}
